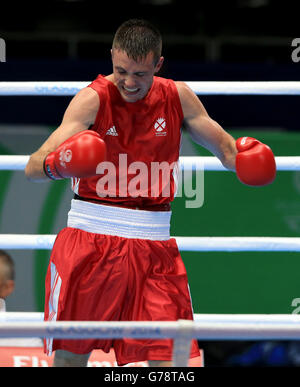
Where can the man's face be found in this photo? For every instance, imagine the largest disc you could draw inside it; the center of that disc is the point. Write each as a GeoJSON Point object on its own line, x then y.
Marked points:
{"type": "Point", "coordinates": [133, 79]}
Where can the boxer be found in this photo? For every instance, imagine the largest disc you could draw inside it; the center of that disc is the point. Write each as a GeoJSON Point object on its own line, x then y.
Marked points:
{"type": "Point", "coordinates": [115, 260]}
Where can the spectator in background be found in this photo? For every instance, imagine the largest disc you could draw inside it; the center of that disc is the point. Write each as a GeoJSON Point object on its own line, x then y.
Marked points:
{"type": "Point", "coordinates": [7, 286]}
{"type": "Point", "coordinates": [7, 277]}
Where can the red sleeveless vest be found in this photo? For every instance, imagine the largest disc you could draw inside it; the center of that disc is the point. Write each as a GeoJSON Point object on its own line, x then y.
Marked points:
{"type": "Point", "coordinates": [143, 144]}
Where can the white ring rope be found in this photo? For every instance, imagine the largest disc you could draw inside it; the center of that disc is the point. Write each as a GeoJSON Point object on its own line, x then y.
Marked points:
{"type": "Point", "coordinates": [67, 88]}
{"type": "Point", "coordinates": [217, 327]}
{"type": "Point", "coordinates": [204, 327]}
{"type": "Point", "coordinates": [229, 244]}
{"type": "Point", "coordinates": [8, 317]}
{"type": "Point", "coordinates": [188, 163]}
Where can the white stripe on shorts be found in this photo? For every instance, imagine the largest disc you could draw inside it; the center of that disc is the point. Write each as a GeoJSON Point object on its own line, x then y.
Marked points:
{"type": "Point", "coordinates": [53, 302]}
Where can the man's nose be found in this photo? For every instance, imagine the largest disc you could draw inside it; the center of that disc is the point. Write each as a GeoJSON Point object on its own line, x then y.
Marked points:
{"type": "Point", "coordinates": [129, 82]}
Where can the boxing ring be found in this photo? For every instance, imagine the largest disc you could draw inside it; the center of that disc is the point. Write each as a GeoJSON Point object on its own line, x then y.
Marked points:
{"type": "Point", "coordinates": [205, 326]}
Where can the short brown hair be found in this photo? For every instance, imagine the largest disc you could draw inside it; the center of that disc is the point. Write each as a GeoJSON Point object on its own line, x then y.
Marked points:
{"type": "Point", "coordinates": [9, 265]}
{"type": "Point", "coordinates": [138, 37]}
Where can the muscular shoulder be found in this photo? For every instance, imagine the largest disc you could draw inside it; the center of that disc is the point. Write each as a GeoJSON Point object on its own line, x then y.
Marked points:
{"type": "Point", "coordinates": [84, 105]}
{"type": "Point", "coordinates": [183, 89]}
{"type": "Point", "coordinates": [88, 97]}
{"type": "Point", "coordinates": [191, 105]}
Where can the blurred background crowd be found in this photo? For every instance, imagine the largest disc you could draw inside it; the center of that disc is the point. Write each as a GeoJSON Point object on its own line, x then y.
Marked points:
{"type": "Point", "coordinates": [203, 40]}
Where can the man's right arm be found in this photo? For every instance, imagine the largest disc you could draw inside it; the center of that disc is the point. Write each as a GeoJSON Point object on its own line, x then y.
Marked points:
{"type": "Point", "coordinates": [79, 116]}
{"type": "Point", "coordinates": [252, 160]}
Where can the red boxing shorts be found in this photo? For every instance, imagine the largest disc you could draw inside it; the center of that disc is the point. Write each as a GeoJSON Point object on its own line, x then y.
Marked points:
{"type": "Point", "coordinates": [96, 277]}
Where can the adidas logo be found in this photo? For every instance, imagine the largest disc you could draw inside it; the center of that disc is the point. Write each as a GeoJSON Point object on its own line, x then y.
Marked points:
{"type": "Point", "coordinates": [112, 131]}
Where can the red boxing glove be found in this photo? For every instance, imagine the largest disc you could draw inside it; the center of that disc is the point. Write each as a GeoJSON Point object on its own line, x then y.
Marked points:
{"type": "Point", "coordinates": [255, 162]}
{"type": "Point", "coordinates": [78, 156]}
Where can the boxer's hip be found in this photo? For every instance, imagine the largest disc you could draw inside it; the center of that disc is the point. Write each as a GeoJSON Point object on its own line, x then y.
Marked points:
{"type": "Point", "coordinates": [118, 221]}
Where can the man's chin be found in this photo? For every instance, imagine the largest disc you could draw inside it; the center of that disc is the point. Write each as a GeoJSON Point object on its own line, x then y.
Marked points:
{"type": "Point", "coordinates": [131, 98]}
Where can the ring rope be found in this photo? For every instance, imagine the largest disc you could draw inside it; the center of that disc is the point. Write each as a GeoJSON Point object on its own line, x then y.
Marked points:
{"type": "Point", "coordinates": [69, 88]}
{"type": "Point", "coordinates": [15, 241]}
{"type": "Point", "coordinates": [198, 317]}
{"type": "Point", "coordinates": [208, 163]}
{"type": "Point", "coordinates": [205, 327]}
{"type": "Point", "coordinates": [229, 244]}
{"type": "Point", "coordinates": [258, 328]}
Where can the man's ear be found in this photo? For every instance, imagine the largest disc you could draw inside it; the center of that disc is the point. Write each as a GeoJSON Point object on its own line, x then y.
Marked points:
{"type": "Point", "coordinates": [7, 288]}
{"type": "Point", "coordinates": [159, 64]}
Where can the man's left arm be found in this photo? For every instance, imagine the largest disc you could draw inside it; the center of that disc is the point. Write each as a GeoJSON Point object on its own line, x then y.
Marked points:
{"type": "Point", "coordinates": [204, 130]}
{"type": "Point", "coordinates": [252, 160]}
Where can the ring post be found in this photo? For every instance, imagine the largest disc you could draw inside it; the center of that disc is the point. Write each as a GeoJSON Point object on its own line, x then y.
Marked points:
{"type": "Point", "coordinates": [182, 343]}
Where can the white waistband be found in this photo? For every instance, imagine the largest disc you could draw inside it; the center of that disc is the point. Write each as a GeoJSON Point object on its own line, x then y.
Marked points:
{"type": "Point", "coordinates": [123, 222]}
